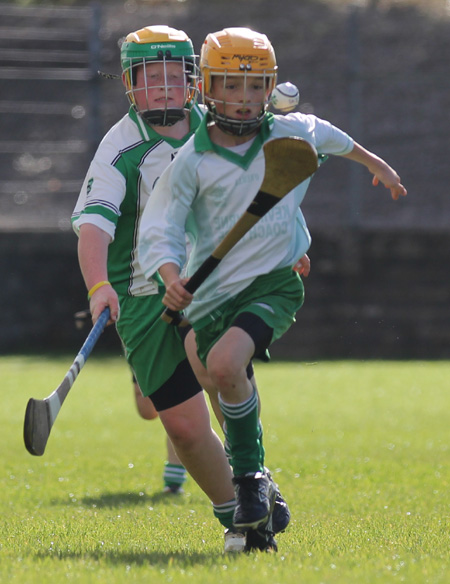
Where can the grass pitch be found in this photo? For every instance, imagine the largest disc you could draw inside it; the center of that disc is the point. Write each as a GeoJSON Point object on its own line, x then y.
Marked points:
{"type": "Point", "coordinates": [360, 451]}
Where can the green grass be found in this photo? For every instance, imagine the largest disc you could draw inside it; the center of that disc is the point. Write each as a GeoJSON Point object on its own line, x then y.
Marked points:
{"type": "Point", "coordinates": [360, 450]}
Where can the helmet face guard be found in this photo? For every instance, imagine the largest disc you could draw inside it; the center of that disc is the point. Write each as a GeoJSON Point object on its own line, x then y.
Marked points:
{"type": "Point", "coordinates": [159, 44]}
{"type": "Point", "coordinates": [237, 52]}
{"type": "Point", "coordinates": [228, 124]}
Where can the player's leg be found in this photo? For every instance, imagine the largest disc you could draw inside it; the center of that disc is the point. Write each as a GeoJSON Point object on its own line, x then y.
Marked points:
{"type": "Point", "coordinates": [185, 415]}
{"type": "Point", "coordinates": [263, 316]}
{"type": "Point", "coordinates": [281, 515]}
{"type": "Point", "coordinates": [156, 354]}
{"type": "Point", "coordinates": [174, 474]}
{"type": "Point", "coordinates": [227, 364]}
{"type": "Point", "coordinates": [144, 404]}
{"type": "Point", "coordinates": [205, 381]}
{"type": "Point", "coordinates": [203, 455]}
{"type": "Point", "coordinates": [202, 375]}
{"type": "Point", "coordinates": [198, 447]}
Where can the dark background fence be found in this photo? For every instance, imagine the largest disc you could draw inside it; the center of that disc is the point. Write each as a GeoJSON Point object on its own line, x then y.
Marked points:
{"type": "Point", "coordinates": [379, 287]}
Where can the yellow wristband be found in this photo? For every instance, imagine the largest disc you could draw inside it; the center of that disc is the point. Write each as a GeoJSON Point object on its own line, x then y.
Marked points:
{"type": "Point", "coordinates": [97, 286]}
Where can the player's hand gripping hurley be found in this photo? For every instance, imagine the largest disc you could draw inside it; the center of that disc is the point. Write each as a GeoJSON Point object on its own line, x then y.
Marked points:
{"type": "Point", "coordinates": [41, 413]}
{"type": "Point", "coordinates": [289, 161]}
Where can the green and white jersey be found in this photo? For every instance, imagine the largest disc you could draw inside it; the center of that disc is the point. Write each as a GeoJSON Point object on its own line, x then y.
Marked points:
{"type": "Point", "coordinates": [208, 188]}
{"type": "Point", "coordinates": [120, 179]}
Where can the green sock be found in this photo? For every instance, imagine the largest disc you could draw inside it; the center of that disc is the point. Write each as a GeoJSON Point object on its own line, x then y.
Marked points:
{"type": "Point", "coordinates": [174, 475]}
{"type": "Point", "coordinates": [224, 513]}
{"type": "Point", "coordinates": [227, 446]}
{"type": "Point", "coordinates": [244, 435]}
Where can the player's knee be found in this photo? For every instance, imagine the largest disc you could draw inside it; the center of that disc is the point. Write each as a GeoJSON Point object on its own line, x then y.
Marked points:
{"type": "Point", "coordinates": [225, 375]}
{"type": "Point", "coordinates": [183, 433]}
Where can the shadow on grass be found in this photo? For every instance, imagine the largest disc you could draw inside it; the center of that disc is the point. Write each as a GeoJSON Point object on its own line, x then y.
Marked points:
{"type": "Point", "coordinates": [177, 558]}
{"type": "Point", "coordinates": [119, 500]}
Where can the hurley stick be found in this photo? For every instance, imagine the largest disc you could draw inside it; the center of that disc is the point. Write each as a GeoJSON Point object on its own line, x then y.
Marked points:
{"type": "Point", "coordinates": [40, 414]}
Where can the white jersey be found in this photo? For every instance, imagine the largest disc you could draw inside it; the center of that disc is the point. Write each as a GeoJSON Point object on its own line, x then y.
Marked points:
{"type": "Point", "coordinates": [120, 179]}
{"type": "Point", "coordinates": [208, 188]}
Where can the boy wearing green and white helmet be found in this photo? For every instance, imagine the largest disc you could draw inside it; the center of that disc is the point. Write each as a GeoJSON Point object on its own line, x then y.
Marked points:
{"type": "Point", "coordinates": [173, 68]}
{"type": "Point", "coordinates": [159, 74]}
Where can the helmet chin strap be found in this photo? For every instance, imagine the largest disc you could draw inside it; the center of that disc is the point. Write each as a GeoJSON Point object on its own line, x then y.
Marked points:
{"type": "Point", "coordinates": [232, 126]}
{"type": "Point", "coordinates": [163, 117]}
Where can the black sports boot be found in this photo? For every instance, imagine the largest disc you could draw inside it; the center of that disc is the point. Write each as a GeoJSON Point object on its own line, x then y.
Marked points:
{"type": "Point", "coordinates": [255, 499]}
{"type": "Point", "coordinates": [260, 539]}
{"type": "Point", "coordinates": [281, 515]}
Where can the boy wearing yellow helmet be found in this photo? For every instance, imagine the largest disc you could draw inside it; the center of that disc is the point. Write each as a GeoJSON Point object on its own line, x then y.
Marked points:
{"type": "Point", "coordinates": [251, 299]}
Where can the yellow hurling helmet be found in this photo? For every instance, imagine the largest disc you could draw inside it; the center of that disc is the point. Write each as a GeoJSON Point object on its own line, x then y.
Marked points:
{"type": "Point", "coordinates": [237, 52]}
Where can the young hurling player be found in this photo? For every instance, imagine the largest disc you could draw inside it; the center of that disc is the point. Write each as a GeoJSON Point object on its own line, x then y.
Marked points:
{"type": "Point", "coordinates": [159, 74]}
{"type": "Point", "coordinates": [252, 297]}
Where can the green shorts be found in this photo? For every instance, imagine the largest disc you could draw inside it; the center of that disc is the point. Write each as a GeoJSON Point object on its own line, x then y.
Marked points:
{"type": "Point", "coordinates": [274, 297]}
{"type": "Point", "coordinates": [153, 348]}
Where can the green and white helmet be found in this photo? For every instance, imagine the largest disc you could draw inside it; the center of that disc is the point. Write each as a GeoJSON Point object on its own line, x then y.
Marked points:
{"type": "Point", "coordinates": [162, 44]}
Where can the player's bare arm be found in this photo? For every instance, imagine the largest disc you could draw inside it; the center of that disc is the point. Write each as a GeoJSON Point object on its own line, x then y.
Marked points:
{"type": "Point", "coordinates": [176, 296]}
{"type": "Point", "coordinates": [381, 171]}
{"type": "Point", "coordinates": [93, 245]}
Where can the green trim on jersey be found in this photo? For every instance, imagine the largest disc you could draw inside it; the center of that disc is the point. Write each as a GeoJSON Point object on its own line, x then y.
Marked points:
{"type": "Point", "coordinates": [122, 251]}
{"type": "Point", "coordinates": [100, 210]}
{"type": "Point", "coordinates": [203, 143]}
